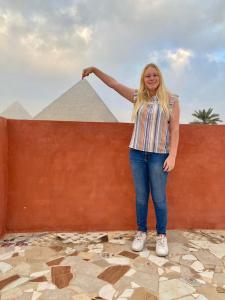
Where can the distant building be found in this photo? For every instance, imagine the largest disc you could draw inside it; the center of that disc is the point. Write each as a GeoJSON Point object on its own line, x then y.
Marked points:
{"type": "Point", "coordinates": [79, 103]}
{"type": "Point", "coordinates": [16, 111]}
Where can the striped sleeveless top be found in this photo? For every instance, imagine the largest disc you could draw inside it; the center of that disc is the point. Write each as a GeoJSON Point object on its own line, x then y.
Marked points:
{"type": "Point", "coordinates": [151, 127]}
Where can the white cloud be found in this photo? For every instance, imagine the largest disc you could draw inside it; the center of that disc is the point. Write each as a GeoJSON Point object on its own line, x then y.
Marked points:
{"type": "Point", "coordinates": [179, 59]}
{"type": "Point", "coordinates": [85, 33]}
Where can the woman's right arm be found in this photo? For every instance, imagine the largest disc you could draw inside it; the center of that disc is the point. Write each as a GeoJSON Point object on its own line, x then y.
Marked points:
{"type": "Point", "coordinates": [123, 90]}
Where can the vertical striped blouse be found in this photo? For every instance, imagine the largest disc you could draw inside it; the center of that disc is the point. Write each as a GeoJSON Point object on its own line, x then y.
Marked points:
{"type": "Point", "coordinates": [151, 128]}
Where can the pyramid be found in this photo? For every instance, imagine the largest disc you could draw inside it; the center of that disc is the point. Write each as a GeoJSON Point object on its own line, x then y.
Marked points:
{"type": "Point", "coordinates": [16, 111]}
{"type": "Point", "coordinates": [79, 103]}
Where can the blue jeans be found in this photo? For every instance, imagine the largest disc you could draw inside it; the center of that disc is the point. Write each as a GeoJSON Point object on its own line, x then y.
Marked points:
{"type": "Point", "coordinates": [149, 176]}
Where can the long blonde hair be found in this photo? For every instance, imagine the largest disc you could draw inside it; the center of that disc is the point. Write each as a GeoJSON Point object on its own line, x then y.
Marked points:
{"type": "Point", "coordinates": [143, 94]}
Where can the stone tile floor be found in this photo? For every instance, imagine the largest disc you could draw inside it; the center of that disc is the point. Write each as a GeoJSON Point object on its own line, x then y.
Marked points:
{"type": "Point", "coordinates": [100, 265]}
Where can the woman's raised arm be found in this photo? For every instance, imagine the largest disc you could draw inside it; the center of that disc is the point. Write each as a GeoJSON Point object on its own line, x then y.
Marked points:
{"type": "Point", "coordinates": [123, 90]}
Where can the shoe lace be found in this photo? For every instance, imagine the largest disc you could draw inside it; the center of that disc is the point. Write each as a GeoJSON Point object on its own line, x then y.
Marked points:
{"type": "Point", "coordinates": [139, 235]}
{"type": "Point", "coordinates": [161, 241]}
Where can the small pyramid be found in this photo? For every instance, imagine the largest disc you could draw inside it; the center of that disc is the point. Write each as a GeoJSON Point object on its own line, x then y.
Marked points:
{"type": "Point", "coordinates": [79, 103]}
{"type": "Point", "coordinates": [16, 111]}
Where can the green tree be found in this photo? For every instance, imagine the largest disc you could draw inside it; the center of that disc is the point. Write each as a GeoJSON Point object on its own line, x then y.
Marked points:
{"type": "Point", "coordinates": [205, 117]}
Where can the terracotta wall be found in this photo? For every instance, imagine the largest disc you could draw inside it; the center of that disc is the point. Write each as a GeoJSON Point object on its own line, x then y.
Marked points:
{"type": "Point", "coordinates": [3, 173]}
{"type": "Point", "coordinates": [76, 176]}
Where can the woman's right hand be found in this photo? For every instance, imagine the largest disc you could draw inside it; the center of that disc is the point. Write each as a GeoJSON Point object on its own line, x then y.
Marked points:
{"type": "Point", "coordinates": [87, 71]}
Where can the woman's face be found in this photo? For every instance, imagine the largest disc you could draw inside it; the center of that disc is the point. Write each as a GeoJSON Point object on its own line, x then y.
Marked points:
{"type": "Point", "coordinates": [151, 79]}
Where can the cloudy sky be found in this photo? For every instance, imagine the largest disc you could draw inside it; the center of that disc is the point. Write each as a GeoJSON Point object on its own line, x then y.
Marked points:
{"type": "Point", "coordinates": [45, 44]}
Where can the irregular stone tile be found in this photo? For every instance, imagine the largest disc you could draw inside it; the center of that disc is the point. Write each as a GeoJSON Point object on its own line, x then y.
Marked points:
{"type": "Point", "coordinates": [207, 276]}
{"type": "Point", "coordinates": [22, 269]}
{"type": "Point", "coordinates": [193, 282]}
{"type": "Point", "coordinates": [8, 280]}
{"type": "Point", "coordinates": [95, 248]}
{"type": "Point", "coordinates": [57, 294]}
{"type": "Point", "coordinates": [134, 285]}
{"type": "Point", "coordinates": [149, 281]}
{"type": "Point", "coordinates": [173, 275]}
{"type": "Point", "coordinates": [15, 283]}
{"type": "Point", "coordinates": [187, 298]}
{"type": "Point", "coordinates": [209, 292]}
{"type": "Point", "coordinates": [79, 265]}
{"type": "Point", "coordinates": [126, 293]}
{"type": "Point", "coordinates": [175, 269]}
{"type": "Point", "coordinates": [159, 261]}
{"type": "Point", "coordinates": [86, 255]}
{"type": "Point", "coordinates": [117, 241]}
{"type": "Point", "coordinates": [176, 236]}
{"type": "Point", "coordinates": [162, 278]}
{"type": "Point", "coordinates": [144, 265]}
{"type": "Point", "coordinates": [38, 274]}
{"type": "Point", "coordinates": [160, 271]}
{"type": "Point", "coordinates": [101, 263]}
{"type": "Point", "coordinates": [4, 267]}
{"type": "Point", "coordinates": [201, 297]}
{"type": "Point", "coordinates": [121, 285]}
{"type": "Point", "coordinates": [197, 266]}
{"type": "Point", "coordinates": [38, 267]}
{"type": "Point", "coordinates": [83, 282]}
{"type": "Point", "coordinates": [114, 273]}
{"type": "Point", "coordinates": [118, 260]}
{"type": "Point", "coordinates": [29, 286]}
{"type": "Point", "coordinates": [193, 249]}
{"type": "Point", "coordinates": [141, 293]}
{"type": "Point", "coordinates": [56, 248]}
{"type": "Point", "coordinates": [83, 296]}
{"type": "Point", "coordinates": [25, 296]}
{"type": "Point", "coordinates": [70, 251]}
{"type": "Point", "coordinates": [189, 257]}
{"type": "Point", "coordinates": [74, 253]}
{"type": "Point", "coordinates": [107, 292]}
{"type": "Point", "coordinates": [45, 286]}
{"type": "Point", "coordinates": [144, 253]}
{"type": "Point", "coordinates": [55, 262]}
{"type": "Point", "coordinates": [39, 279]}
{"type": "Point", "coordinates": [35, 295]}
{"type": "Point", "coordinates": [174, 258]}
{"type": "Point", "coordinates": [112, 248]}
{"type": "Point", "coordinates": [128, 254]}
{"type": "Point", "coordinates": [188, 272]}
{"type": "Point", "coordinates": [61, 276]}
{"type": "Point", "coordinates": [219, 279]}
{"type": "Point", "coordinates": [15, 254]}
{"type": "Point", "coordinates": [177, 249]}
{"type": "Point", "coordinates": [39, 254]}
{"type": "Point", "coordinates": [174, 288]}
{"type": "Point", "coordinates": [6, 255]}
{"type": "Point", "coordinates": [11, 294]}
{"type": "Point", "coordinates": [220, 289]}
{"type": "Point", "coordinates": [217, 249]}
{"type": "Point", "coordinates": [130, 272]}
{"type": "Point", "coordinates": [209, 260]}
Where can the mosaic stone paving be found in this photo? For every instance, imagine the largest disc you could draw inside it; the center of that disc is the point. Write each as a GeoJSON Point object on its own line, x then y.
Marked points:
{"type": "Point", "coordinates": [101, 265]}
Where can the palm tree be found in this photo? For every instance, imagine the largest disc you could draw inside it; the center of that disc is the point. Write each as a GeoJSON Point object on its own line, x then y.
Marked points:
{"type": "Point", "coordinates": [206, 117]}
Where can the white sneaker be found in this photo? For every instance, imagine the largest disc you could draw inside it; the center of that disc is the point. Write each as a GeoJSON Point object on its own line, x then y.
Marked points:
{"type": "Point", "coordinates": [139, 241]}
{"type": "Point", "coordinates": [161, 245]}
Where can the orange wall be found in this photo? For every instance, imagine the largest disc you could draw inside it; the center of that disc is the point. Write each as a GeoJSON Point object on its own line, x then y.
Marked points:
{"type": "Point", "coordinates": [76, 176]}
{"type": "Point", "coordinates": [3, 173]}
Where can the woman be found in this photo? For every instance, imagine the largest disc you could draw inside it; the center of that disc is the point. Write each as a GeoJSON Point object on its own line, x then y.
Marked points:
{"type": "Point", "coordinates": [153, 147]}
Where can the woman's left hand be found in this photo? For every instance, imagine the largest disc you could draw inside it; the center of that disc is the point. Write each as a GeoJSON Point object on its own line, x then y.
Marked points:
{"type": "Point", "coordinates": [169, 163]}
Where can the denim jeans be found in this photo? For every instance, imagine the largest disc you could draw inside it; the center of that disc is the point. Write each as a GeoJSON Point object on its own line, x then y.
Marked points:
{"type": "Point", "coordinates": [149, 177]}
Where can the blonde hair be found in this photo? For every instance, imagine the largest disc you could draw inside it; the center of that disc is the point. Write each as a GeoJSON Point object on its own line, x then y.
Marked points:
{"type": "Point", "coordinates": [143, 94]}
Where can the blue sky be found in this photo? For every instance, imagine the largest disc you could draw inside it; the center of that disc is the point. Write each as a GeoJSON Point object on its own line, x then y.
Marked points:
{"type": "Point", "coordinates": [44, 45]}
